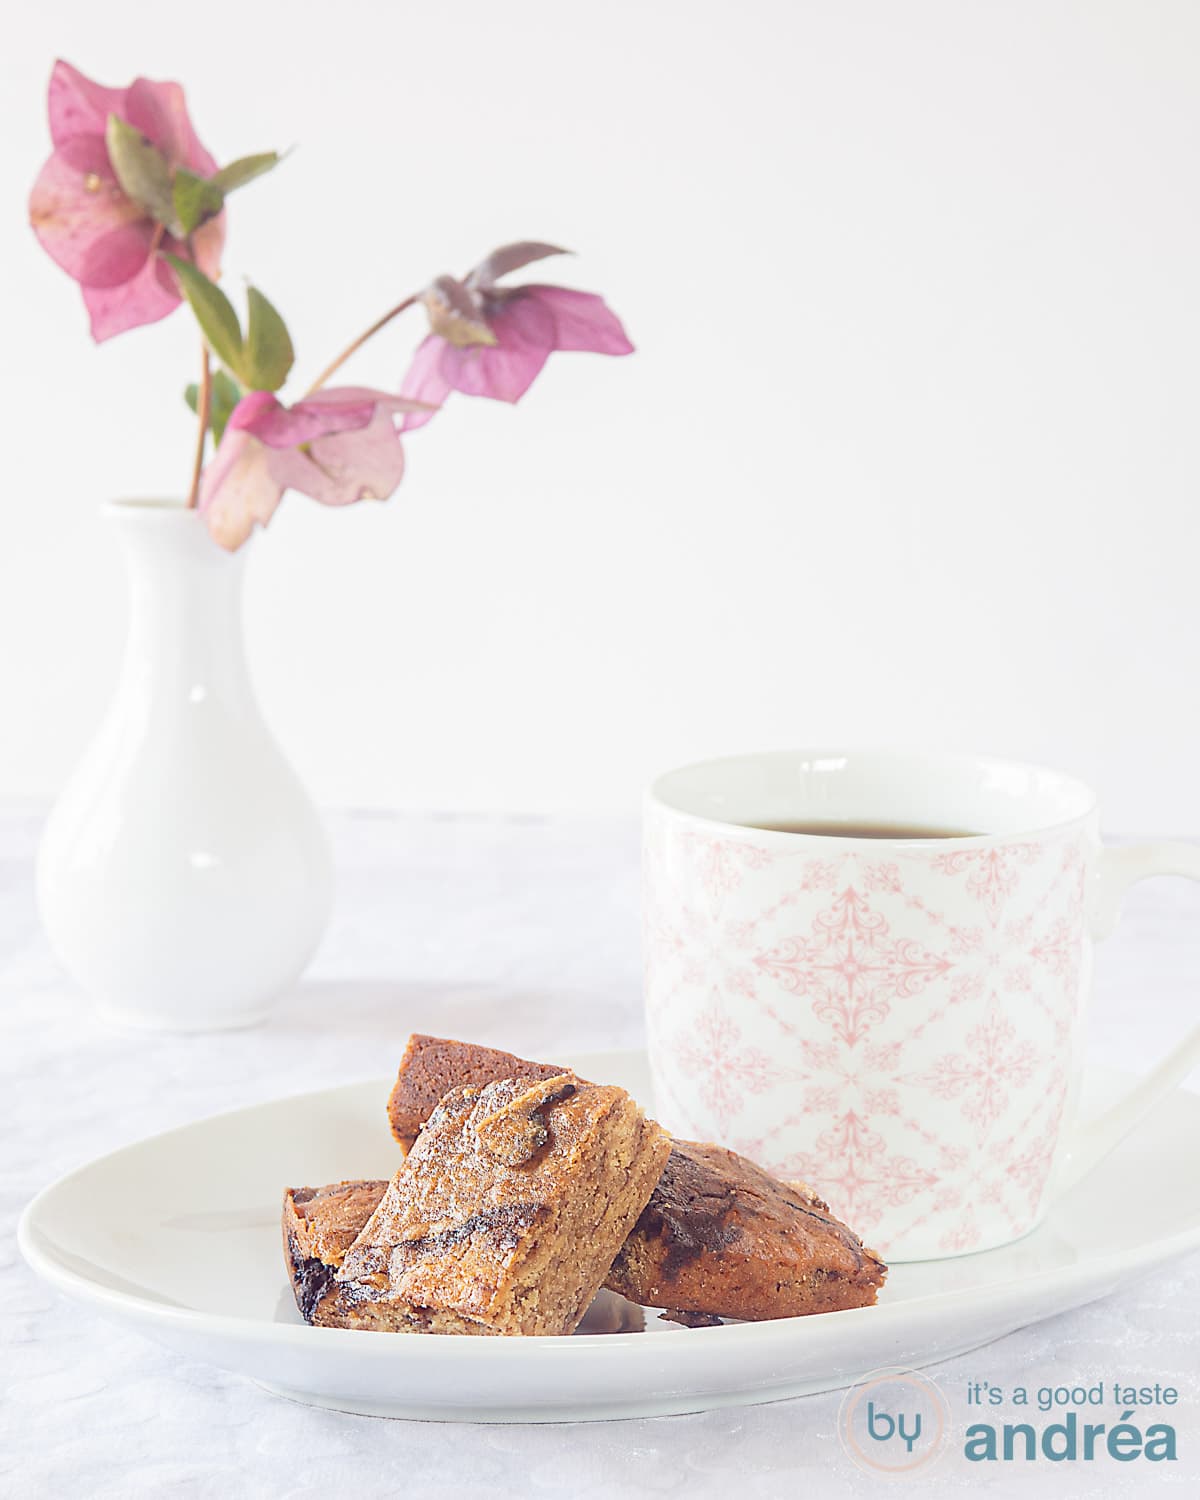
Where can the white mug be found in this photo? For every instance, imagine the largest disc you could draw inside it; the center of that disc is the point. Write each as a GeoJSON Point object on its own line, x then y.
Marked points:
{"type": "Point", "coordinates": [896, 1020]}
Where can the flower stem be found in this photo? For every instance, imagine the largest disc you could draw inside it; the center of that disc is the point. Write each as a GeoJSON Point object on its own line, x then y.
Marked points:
{"type": "Point", "coordinates": [203, 411]}
{"type": "Point", "coordinates": [357, 344]}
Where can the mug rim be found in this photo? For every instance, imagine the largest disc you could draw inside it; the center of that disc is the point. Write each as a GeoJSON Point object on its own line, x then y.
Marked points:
{"type": "Point", "coordinates": [655, 797]}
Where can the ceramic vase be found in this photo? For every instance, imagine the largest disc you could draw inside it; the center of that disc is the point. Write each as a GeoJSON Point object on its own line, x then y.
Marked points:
{"type": "Point", "coordinates": [184, 877]}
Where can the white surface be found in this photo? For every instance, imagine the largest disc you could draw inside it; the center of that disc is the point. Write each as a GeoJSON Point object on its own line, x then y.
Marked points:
{"type": "Point", "coordinates": [516, 932]}
{"type": "Point", "coordinates": [908, 451]}
{"type": "Point", "coordinates": [185, 878]}
{"type": "Point", "coordinates": [178, 1237]}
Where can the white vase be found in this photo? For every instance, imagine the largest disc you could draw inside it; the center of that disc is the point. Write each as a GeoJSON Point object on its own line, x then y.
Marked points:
{"type": "Point", "coordinates": [184, 877]}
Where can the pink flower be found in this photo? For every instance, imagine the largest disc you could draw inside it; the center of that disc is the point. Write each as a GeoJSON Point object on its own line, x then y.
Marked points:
{"type": "Point", "coordinates": [492, 341]}
{"type": "Point", "coordinates": [89, 225]}
{"type": "Point", "coordinates": [337, 446]}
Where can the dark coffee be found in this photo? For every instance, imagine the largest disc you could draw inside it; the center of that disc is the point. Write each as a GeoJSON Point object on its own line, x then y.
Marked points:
{"type": "Point", "coordinates": [869, 830]}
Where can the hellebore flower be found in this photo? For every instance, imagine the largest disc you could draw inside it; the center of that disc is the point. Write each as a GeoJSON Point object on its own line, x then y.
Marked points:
{"type": "Point", "coordinates": [337, 446]}
{"type": "Point", "coordinates": [86, 219]}
{"type": "Point", "coordinates": [489, 340]}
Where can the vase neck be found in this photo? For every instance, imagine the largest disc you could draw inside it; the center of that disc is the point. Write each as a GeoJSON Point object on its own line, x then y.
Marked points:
{"type": "Point", "coordinates": [185, 601]}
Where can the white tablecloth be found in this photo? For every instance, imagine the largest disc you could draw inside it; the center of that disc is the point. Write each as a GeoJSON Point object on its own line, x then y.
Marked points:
{"type": "Point", "coordinates": [522, 933]}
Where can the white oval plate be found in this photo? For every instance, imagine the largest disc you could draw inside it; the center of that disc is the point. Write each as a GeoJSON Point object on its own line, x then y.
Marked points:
{"type": "Point", "coordinates": [178, 1236]}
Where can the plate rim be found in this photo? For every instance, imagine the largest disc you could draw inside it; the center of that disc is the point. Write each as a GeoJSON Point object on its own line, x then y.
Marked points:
{"type": "Point", "coordinates": [142, 1309]}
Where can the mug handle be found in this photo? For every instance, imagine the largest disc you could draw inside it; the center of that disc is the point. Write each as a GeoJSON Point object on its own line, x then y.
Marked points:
{"type": "Point", "coordinates": [1091, 1142]}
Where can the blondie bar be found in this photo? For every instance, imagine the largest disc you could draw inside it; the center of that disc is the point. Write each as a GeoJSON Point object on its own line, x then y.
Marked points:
{"type": "Point", "coordinates": [319, 1226]}
{"type": "Point", "coordinates": [719, 1237]}
{"type": "Point", "coordinates": [507, 1212]}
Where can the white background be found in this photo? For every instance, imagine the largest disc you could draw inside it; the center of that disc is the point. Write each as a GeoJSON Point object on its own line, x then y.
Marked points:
{"type": "Point", "coordinates": [908, 451]}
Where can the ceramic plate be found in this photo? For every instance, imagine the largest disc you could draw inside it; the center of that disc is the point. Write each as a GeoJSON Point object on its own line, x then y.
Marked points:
{"type": "Point", "coordinates": [178, 1237]}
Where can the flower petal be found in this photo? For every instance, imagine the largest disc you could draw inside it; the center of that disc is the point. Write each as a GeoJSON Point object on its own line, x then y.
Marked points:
{"type": "Point", "coordinates": [159, 111]}
{"type": "Point", "coordinates": [342, 409]}
{"type": "Point", "coordinates": [353, 395]}
{"type": "Point", "coordinates": [284, 428]}
{"type": "Point", "coordinates": [509, 258]}
{"type": "Point", "coordinates": [77, 106]}
{"type": "Point", "coordinates": [152, 294]}
{"type": "Point", "coordinates": [83, 220]}
{"type": "Point", "coordinates": [238, 490]}
{"type": "Point", "coordinates": [114, 258]}
{"type": "Point", "coordinates": [582, 320]}
{"type": "Point", "coordinates": [145, 299]}
{"type": "Point", "coordinates": [425, 382]}
{"type": "Point", "coordinates": [254, 409]}
{"type": "Point", "coordinates": [525, 333]}
{"type": "Point", "coordinates": [364, 464]}
{"type": "Point", "coordinates": [500, 374]}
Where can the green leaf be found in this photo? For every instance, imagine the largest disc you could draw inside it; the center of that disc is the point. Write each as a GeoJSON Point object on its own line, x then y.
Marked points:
{"type": "Point", "coordinates": [238, 173]}
{"type": "Point", "coordinates": [142, 171]}
{"type": "Point", "coordinates": [268, 354]}
{"type": "Point", "coordinates": [195, 199]}
{"type": "Point", "coordinates": [226, 393]}
{"type": "Point", "coordinates": [214, 312]}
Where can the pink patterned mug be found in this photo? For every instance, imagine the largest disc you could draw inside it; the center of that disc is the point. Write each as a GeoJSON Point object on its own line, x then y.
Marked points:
{"type": "Point", "coordinates": [897, 1020]}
